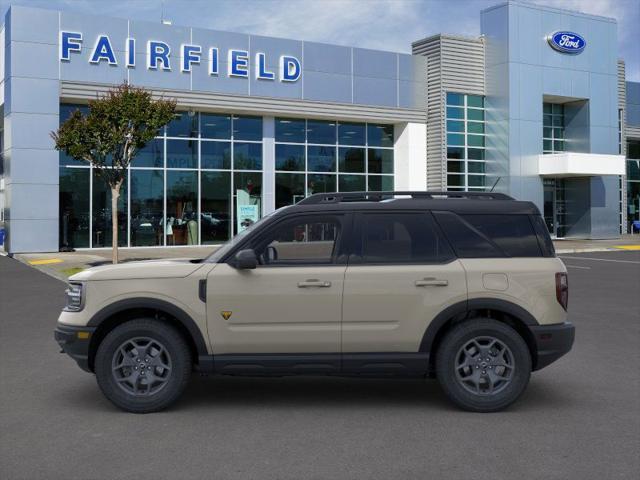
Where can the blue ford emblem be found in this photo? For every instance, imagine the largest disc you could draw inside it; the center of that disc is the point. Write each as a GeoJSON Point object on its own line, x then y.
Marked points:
{"type": "Point", "coordinates": [567, 42]}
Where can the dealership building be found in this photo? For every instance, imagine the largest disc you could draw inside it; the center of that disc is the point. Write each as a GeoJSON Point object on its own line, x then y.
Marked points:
{"type": "Point", "coordinates": [536, 107]}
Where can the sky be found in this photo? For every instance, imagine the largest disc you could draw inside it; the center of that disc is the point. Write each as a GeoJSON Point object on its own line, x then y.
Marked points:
{"type": "Point", "coordinates": [378, 24]}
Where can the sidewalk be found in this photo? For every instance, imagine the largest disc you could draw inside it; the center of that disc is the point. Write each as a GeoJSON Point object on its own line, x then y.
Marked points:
{"type": "Point", "coordinates": [64, 264]}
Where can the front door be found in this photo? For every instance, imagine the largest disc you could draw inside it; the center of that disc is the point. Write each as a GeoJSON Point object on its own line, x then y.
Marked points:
{"type": "Point", "coordinates": [402, 274]}
{"type": "Point", "coordinates": [291, 303]}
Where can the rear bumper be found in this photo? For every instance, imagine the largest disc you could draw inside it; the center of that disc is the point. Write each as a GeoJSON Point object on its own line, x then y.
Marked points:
{"type": "Point", "coordinates": [552, 342]}
{"type": "Point", "coordinates": [75, 341]}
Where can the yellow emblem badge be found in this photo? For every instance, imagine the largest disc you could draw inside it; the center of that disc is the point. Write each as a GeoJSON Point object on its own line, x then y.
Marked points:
{"type": "Point", "coordinates": [226, 314]}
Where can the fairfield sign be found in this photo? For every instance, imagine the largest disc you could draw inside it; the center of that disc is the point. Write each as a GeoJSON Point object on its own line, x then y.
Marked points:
{"type": "Point", "coordinates": [159, 56]}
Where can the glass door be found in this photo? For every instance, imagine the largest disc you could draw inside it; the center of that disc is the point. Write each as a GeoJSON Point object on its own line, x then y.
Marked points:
{"type": "Point", "coordinates": [555, 206]}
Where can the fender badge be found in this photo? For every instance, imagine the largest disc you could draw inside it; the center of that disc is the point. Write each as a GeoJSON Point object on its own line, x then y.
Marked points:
{"type": "Point", "coordinates": [226, 314]}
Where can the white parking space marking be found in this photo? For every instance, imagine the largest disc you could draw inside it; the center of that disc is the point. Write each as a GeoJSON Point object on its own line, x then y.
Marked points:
{"type": "Point", "coordinates": [576, 266]}
{"type": "Point", "coordinates": [601, 259]}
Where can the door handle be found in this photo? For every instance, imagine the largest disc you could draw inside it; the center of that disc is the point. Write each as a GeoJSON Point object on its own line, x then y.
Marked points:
{"type": "Point", "coordinates": [313, 284]}
{"type": "Point", "coordinates": [432, 282]}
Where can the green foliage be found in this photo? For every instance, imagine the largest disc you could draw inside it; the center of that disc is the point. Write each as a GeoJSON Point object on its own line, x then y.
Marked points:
{"type": "Point", "coordinates": [117, 126]}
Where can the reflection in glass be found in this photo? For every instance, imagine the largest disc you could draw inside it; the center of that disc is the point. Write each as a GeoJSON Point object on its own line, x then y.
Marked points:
{"type": "Point", "coordinates": [247, 156]}
{"type": "Point", "coordinates": [320, 131]}
{"type": "Point", "coordinates": [247, 128]}
{"type": "Point", "coordinates": [289, 188]}
{"type": "Point", "coordinates": [351, 160]}
{"type": "Point", "coordinates": [318, 183]}
{"type": "Point", "coordinates": [66, 109]}
{"type": "Point", "coordinates": [215, 155]}
{"type": "Point", "coordinates": [380, 183]}
{"type": "Point", "coordinates": [290, 157]}
{"type": "Point", "coordinates": [321, 159]}
{"type": "Point", "coordinates": [215, 207]}
{"type": "Point", "coordinates": [351, 133]}
{"type": "Point", "coordinates": [74, 208]}
{"type": "Point", "coordinates": [215, 126]}
{"type": "Point", "coordinates": [184, 124]}
{"type": "Point", "coordinates": [146, 207]}
{"type": "Point", "coordinates": [380, 161]}
{"type": "Point", "coordinates": [352, 183]}
{"type": "Point", "coordinates": [455, 98]}
{"type": "Point", "coordinates": [182, 153]}
{"type": "Point", "coordinates": [290, 130]}
{"type": "Point", "coordinates": [182, 208]}
{"type": "Point", "coordinates": [152, 155]}
{"type": "Point", "coordinates": [379, 135]}
{"type": "Point", "coordinates": [101, 216]}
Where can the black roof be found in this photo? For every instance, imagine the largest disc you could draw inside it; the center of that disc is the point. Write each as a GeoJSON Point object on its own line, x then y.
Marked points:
{"type": "Point", "coordinates": [458, 202]}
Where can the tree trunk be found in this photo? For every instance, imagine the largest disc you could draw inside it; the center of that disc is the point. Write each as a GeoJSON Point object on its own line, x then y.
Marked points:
{"type": "Point", "coordinates": [115, 194]}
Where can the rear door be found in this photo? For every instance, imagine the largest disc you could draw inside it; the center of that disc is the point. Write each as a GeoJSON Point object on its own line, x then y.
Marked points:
{"type": "Point", "coordinates": [401, 275]}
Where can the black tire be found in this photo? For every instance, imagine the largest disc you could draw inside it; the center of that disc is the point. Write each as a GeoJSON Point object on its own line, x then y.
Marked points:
{"type": "Point", "coordinates": [170, 369]}
{"type": "Point", "coordinates": [464, 379]}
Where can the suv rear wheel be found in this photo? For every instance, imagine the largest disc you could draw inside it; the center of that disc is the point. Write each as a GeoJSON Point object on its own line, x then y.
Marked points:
{"type": "Point", "coordinates": [143, 365]}
{"type": "Point", "coordinates": [483, 365]}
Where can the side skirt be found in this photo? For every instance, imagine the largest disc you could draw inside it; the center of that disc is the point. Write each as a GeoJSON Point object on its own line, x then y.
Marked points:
{"type": "Point", "coordinates": [387, 364]}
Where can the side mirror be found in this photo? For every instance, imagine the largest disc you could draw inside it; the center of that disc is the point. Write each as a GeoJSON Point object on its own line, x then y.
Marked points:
{"type": "Point", "coordinates": [245, 260]}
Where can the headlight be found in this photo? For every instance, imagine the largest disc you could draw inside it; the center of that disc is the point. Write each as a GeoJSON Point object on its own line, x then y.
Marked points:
{"type": "Point", "coordinates": [75, 299]}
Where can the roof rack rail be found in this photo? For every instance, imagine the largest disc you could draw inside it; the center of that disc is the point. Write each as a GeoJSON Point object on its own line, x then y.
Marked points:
{"type": "Point", "coordinates": [366, 196]}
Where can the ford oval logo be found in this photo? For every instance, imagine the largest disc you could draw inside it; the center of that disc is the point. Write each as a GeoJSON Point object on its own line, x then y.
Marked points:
{"type": "Point", "coordinates": [567, 42]}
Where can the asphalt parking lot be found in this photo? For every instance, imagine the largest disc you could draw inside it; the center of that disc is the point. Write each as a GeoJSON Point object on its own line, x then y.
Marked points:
{"type": "Point", "coordinates": [579, 418]}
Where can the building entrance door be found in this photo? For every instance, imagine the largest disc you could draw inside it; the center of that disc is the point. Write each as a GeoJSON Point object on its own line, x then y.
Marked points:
{"type": "Point", "coordinates": [555, 207]}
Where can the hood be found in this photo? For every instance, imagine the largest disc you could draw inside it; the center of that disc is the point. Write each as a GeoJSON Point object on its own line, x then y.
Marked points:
{"type": "Point", "coordinates": [174, 268]}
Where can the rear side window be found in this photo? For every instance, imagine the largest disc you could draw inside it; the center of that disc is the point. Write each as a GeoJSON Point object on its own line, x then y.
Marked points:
{"type": "Point", "coordinates": [467, 241]}
{"type": "Point", "coordinates": [398, 238]}
{"type": "Point", "coordinates": [482, 236]}
{"type": "Point", "coordinates": [544, 240]}
{"type": "Point", "coordinates": [514, 234]}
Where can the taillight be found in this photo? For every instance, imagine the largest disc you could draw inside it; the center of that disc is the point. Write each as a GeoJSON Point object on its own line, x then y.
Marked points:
{"type": "Point", "coordinates": [562, 289]}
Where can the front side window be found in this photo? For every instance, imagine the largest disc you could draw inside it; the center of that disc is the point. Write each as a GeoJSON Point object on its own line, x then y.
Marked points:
{"type": "Point", "coordinates": [401, 238]}
{"type": "Point", "coordinates": [304, 241]}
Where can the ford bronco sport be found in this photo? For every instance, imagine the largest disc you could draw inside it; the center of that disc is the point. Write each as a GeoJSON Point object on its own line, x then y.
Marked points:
{"type": "Point", "coordinates": [464, 287]}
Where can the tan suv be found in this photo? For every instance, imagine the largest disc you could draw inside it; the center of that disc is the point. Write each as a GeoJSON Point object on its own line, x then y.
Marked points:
{"type": "Point", "coordinates": [462, 286]}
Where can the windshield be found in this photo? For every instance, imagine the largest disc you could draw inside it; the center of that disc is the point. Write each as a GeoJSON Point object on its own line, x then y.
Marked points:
{"type": "Point", "coordinates": [229, 245]}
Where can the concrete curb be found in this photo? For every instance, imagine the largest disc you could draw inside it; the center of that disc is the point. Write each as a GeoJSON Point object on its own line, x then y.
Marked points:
{"type": "Point", "coordinates": [561, 251]}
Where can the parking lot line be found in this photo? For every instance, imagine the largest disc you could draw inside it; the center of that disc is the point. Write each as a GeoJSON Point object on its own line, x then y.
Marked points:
{"type": "Point", "coordinates": [600, 259]}
{"type": "Point", "coordinates": [47, 261]}
{"type": "Point", "coordinates": [576, 266]}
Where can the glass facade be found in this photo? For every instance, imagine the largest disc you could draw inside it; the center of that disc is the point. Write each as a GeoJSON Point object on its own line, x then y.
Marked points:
{"type": "Point", "coordinates": [552, 128]}
{"type": "Point", "coordinates": [633, 182]}
{"type": "Point", "coordinates": [185, 186]}
{"type": "Point", "coordinates": [465, 130]}
{"type": "Point", "coordinates": [181, 189]}
{"type": "Point", "coordinates": [313, 156]}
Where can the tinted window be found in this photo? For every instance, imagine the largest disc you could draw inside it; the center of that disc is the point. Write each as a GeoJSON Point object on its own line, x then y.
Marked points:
{"type": "Point", "coordinates": [290, 130]}
{"type": "Point", "coordinates": [402, 238]}
{"type": "Point", "coordinates": [305, 241]}
{"type": "Point", "coordinates": [467, 241]}
{"type": "Point", "coordinates": [247, 128]}
{"type": "Point", "coordinates": [514, 234]}
{"type": "Point", "coordinates": [544, 240]}
{"type": "Point", "coordinates": [215, 126]}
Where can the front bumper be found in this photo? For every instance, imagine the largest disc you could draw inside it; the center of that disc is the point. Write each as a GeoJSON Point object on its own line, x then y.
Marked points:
{"type": "Point", "coordinates": [75, 342]}
{"type": "Point", "coordinates": [552, 342]}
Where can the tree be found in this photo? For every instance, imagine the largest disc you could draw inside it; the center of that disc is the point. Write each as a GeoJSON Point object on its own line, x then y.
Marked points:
{"type": "Point", "coordinates": [117, 126]}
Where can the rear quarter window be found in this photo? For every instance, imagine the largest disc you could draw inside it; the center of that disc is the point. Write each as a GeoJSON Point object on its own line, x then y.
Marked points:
{"type": "Point", "coordinates": [486, 236]}
{"type": "Point", "coordinates": [513, 234]}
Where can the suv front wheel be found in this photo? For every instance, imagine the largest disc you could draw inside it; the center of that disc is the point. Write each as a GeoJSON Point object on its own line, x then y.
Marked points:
{"type": "Point", "coordinates": [143, 365]}
{"type": "Point", "coordinates": [483, 365]}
